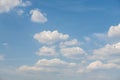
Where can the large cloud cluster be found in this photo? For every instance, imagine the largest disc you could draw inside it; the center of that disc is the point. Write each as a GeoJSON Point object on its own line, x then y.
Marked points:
{"type": "Point", "coordinates": [7, 5]}
{"type": "Point", "coordinates": [59, 45]}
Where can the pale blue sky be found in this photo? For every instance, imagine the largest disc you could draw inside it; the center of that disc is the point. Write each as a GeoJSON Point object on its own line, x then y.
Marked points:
{"type": "Point", "coordinates": [59, 39]}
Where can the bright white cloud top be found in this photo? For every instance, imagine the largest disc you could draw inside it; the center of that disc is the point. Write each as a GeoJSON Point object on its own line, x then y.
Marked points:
{"type": "Point", "coordinates": [47, 51]}
{"type": "Point", "coordinates": [49, 37]}
{"type": "Point", "coordinates": [38, 16]}
{"type": "Point", "coordinates": [114, 31]}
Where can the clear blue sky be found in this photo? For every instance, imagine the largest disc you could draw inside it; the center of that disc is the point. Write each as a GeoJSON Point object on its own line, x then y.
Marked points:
{"type": "Point", "coordinates": [59, 39]}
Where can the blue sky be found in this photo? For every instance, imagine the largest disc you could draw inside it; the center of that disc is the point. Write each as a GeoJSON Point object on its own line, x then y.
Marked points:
{"type": "Point", "coordinates": [63, 40]}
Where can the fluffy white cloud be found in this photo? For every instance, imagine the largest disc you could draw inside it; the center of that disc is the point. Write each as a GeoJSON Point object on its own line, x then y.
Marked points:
{"type": "Point", "coordinates": [1, 57]}
{"type": "Point", "coordinates": [49, 37]}
{"type": "Point", "coordinates": [52, 65]}
{"type": "Point", "coordinates": [47, 51]}
{"type": "Point", "coordinates": [73, 52]}
{"type": "Point", "coordinates": [100, 65]}
{"type": "Point", "coordinates": [7, 5]}
{"type": "Point", "coordinates": [38, 16]}
{"type": "Point", "coordinates": [73, 42]}
{"type": "Point", "coordinates": [114, 31]}
{"type": "Point", "coordinates": [107, 51]}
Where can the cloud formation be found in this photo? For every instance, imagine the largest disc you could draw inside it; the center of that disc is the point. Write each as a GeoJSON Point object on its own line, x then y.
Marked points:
{"type": "Point", "coordinates": [7, 5]}
{"type": "Point", "coordinates": [108, 50]}
{"type": "Point", "coordinates": [73, 52]}
{"type": "Point", "coordinates": [99, 65]}
{"type": "Point", "coordinates": [45, 65]}
{"type": "Point", "coordinates": [62, 46]}
{"type": "Point", "coordinates": [69, 43]}
{"type": "Point", "coordinates": [49, 37]}
{"type": "Point", "coordinates": [47, 51]}
{"type": "Point", "coordinates": [114, 31]}
{"type": "Point", "coordinates": [37, 16]}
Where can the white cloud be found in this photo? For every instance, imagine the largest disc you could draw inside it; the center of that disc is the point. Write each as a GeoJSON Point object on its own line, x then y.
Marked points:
{"type": "Point", "coordinates": [107, 51]}
{"type": "Point", "coordinates": [49, 37]}
{"type": "Point", "coordinates": [114, 31]}
{"type": "Point", "coordinates": [38, 16]}
{"type": "Point", "coordinates": [1, 57]}
{"type": "Point", "coordinates": [7, 5]}
{"type": "Point", "coordinates": [73, 42]}
{"type": "Point", "coordinates": [100, 65]}
{"type": "Point", "coordinates": [47, 51]}
{"type": "Point", "coordinates": [73, 52]}
{"type": "Point", "coordinates": [52, 65]}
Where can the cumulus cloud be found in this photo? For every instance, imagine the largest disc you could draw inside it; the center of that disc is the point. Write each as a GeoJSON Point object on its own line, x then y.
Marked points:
{"type": "Point", "coordinates": [73, 42]}
{"type": "Point", "coordinates": [7, 5]}
{"type": "Point", "coordinates": [52, 65]}
{"type": "Point", "coordinates": [38, 16]}
{"type": "Point", "coordinates": [47, 51]}
{"type": "Point", "coordinates": [73, 52]}
{"type": "Point", "coordinates": [107, 51]}
{"type": "Point", "coordinates": [49, 37]}
{"type": "Point", "coordinates": [114, 31]}
{"type": "Point", "coordinates": [99, 65]}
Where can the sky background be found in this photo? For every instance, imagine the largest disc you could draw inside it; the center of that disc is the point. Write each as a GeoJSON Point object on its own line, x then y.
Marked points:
{"type": "Point", "coordinates": [59, 39]}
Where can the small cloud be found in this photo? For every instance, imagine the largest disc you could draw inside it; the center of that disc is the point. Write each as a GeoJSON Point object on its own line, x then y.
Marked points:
{"type": "Point", "coordinates": [114, 31]}
{"type": "Point", "coordinates": [20, 12]}
{"type": "Point", "coordinates": [87, 39]}
{"type": "Point", "coordinates": [45, 65]}
{"type": "Point", "coordinates": [73, 42]}
{"type": "Point", "coordinates": [47, 51]}
{"type": "Point", "coordinates": [25, 4]}
{"type": "Point", "coordinates": [101, 35]}
{"type": "Point", "coordinates": [73, 52]}
{"type": "Point", "coordinates": [50, 37]}
{"type": "Point", "coordinates": [37, 16]}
